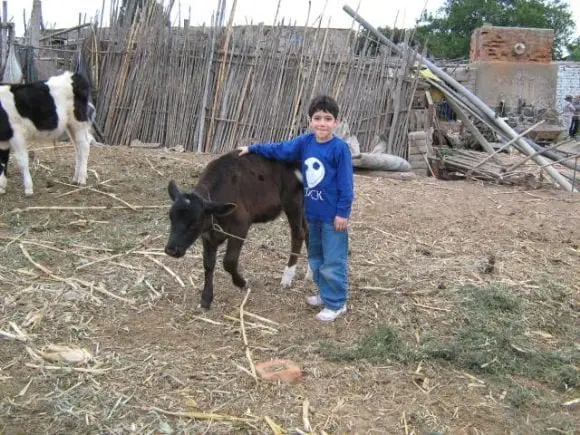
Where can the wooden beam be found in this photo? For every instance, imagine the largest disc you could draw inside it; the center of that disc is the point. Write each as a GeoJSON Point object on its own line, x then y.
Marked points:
{"type": "Point", "coordinates": [62, 32]}
{"type": "Point", "coordinates": [504, 146]}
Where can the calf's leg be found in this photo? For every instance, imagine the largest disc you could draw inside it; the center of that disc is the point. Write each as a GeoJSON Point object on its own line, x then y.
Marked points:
{"type": "Point", "coordinates": [209, 258]}
{"type": "Point", "coordinates": [18, 145]}
{"type": "Point", "coordinates": [4, 156]}
{"type": "Point", "coordinates": [79, 133]}
{"type": "Point", "coordinates": [231, 259]}
{"type": "Point", "coordinates": [298, 232]}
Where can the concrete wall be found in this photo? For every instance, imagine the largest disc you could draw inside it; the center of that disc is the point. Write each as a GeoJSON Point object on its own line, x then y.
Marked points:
{"type": "Point", "coordinates": [517, 83]}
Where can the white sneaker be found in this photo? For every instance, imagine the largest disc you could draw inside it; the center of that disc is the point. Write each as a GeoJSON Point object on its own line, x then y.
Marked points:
{"type": "Point", "coordinates": [328, 315]}
{"type": "Point", "coordinates": [314, 301]}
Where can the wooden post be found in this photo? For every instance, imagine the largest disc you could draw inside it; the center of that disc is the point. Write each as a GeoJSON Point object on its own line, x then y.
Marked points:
{"type": "Point", "coordinates": [35, 24]}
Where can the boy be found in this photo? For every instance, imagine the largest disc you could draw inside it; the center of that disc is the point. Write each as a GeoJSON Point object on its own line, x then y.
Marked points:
{"type": "Point", "coordinates": [328, 195]}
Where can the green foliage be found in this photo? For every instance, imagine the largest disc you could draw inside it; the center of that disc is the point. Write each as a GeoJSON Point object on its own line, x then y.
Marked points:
{"type": "Point", "coordinates": [489, 335]}
{"type": "Point", "coordinates": [519, 396]}
{"type": "Point", "coordinates": [447, 32]}
{"type": "Point", "coordinates": [381, 345]}
{"type": "Point", "coordinates": [492, 340]}
{"type": "Point", "coordinates": [574, 50]}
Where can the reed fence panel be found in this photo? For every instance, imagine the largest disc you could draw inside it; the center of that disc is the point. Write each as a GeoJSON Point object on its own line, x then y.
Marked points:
{"type": "Point", "coordinates": [186, 86]}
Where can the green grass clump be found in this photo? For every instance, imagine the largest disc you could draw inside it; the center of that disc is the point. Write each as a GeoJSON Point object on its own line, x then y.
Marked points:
{"type": "Point", "coordinates": [487, 335]}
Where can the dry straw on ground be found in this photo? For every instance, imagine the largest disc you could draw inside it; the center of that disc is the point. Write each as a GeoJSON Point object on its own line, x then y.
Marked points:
{"type": "Point", "coordinates": [86, 270]}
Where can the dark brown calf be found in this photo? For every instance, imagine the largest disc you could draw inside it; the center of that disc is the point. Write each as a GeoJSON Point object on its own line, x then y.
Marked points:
{"type": "Point", "coordinates": [231, 194]}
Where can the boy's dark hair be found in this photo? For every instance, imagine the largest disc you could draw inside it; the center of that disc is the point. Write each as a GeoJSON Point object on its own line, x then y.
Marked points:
{"type": "Point", "coordinates": [323, 103]}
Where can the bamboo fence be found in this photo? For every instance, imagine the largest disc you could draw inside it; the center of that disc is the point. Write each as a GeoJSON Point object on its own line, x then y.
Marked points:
{"type": "Point", "coordinates": [214, 88]}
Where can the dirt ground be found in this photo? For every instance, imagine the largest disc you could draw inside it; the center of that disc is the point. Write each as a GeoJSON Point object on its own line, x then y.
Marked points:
{"type": "Point", "coordinates": [84, 267]}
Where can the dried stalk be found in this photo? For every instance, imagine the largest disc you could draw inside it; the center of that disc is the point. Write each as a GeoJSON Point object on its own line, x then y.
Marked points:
{"type": "Point", "coordinates": [244, 336]}
{"type": "Point", "coordinates": [167, 269]}
{"type": "Point", "coordinates": [203, 415]}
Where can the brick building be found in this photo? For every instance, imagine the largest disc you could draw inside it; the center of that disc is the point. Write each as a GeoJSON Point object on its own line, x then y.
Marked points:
{"type": "Point", "coordinates": [514, 65]}
{"type": "Point", "coordinates": [511, 44]}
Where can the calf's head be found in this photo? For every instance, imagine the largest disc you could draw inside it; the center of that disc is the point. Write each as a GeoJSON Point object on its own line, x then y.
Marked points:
{"type": "Point", "coordinates": [190, 215]}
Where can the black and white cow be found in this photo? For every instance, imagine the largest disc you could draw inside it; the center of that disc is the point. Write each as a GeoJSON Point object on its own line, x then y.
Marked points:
{"type": "Point", "coordinates": [45, 109]}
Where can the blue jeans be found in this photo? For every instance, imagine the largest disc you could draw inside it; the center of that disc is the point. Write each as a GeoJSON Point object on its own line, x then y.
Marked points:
{"type": "Point", "coordinates": [328, 259]}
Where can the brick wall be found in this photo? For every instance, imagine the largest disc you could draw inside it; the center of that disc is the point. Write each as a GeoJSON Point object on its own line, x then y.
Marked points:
{"type": "Point", "coordinates": [511, 44]}
{"type": "Point", "coordinates": [568, 82]}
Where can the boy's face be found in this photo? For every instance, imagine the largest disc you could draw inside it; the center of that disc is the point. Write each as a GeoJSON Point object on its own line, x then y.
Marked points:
{"type": "Point", "coordinates": [322, 124]}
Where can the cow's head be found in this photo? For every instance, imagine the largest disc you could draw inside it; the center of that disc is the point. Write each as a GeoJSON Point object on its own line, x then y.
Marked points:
{"type": "Point", "coordinates": [190, 215]}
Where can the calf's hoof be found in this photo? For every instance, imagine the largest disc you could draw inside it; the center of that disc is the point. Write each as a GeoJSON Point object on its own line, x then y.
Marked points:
{"type": "Point", "coordinates": [28, 192]}
{"type": "Point", "coordinates": [288, 276]}
{"type": "Point", "coordinates": [79, 180]}
{"type": "Point", "coordinates": [239, 282]}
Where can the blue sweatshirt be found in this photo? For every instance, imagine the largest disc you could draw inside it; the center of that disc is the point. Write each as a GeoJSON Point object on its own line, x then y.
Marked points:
{"type": "Point", "coordinates": [326, 169]}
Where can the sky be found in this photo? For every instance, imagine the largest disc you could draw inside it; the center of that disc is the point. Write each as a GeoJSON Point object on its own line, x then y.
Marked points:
{"type": "Point", "coordinates": [379, 13]}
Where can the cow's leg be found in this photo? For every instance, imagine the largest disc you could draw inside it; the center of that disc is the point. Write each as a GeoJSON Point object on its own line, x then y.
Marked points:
{"type": "Point", "coordinates": [231, 259]}
{"type": "Point", "coordinates": [298, 232]}
{"type": "Point", "coordinates": [18, 145]}
{"type": "Point", "coordinates": [4, 156]}
{"type": "Point", "coordinates": [79, 133]}
{"type": "Point", "coordinates": [77, 154]}
{"type": "Point", "coordinates": [209, 258]}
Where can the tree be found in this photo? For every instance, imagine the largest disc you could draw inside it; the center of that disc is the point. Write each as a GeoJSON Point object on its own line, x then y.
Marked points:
{"type": "Point", "coordinates": [574, 50]}
{"type": "Point", "coordinates": [447, 32]}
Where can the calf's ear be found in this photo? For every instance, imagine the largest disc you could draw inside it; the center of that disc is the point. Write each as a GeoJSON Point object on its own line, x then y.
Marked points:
{"type": "Point", "coordinates": [219, 208]}
{"type": "Point", "coordinates": [173, 190]}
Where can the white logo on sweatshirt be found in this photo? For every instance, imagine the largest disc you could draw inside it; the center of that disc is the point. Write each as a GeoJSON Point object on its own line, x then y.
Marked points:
{"type": "Point", "coordinates": [314, 172]}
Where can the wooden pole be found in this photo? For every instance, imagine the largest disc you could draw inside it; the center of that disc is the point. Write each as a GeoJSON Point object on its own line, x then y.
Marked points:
{"type": "Point", "coordinates": [503, 147]}
{"type": "Point", "coordinates": [553, 147]}
{"type": "Point", "coordinates": [573, 156]}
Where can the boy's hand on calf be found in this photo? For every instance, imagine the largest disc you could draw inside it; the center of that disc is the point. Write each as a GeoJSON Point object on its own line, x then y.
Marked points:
{"type": "Point", "coordinates": [340, 223]}
{"type": "Point", "coordinates": [243, 151]}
